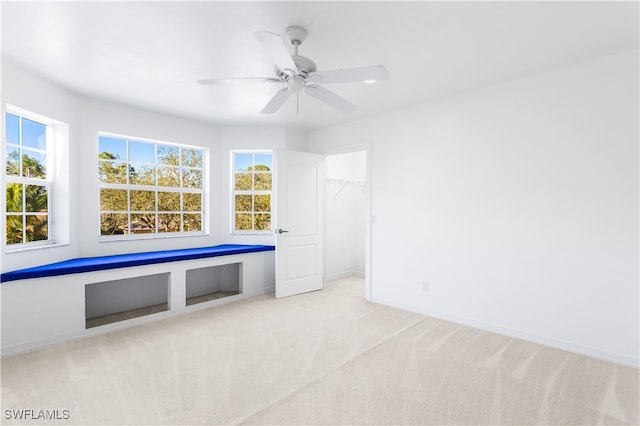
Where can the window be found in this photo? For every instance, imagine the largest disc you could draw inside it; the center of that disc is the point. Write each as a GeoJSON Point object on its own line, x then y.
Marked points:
{"type": "Point", "coordinates": [28, 181]}
{"type": "Point", "coordinates": [252, 180]}
{"type": "Point", "coordinates": [148, 187]}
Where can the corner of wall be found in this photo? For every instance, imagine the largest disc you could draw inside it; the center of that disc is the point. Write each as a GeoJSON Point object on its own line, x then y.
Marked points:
{"type": "Point", "coordinates": [295, 139]}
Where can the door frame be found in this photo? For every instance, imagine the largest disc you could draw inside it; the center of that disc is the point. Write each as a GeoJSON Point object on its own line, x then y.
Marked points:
{"type": "Point", "coordinates": [365, 146]}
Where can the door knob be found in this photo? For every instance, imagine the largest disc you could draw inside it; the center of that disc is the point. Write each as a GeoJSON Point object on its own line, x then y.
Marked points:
{"type": "Point", "coordinates": [281, 231]}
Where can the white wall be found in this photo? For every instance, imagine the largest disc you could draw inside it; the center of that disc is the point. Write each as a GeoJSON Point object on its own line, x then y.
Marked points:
{"type": "Point", "coordinates": [23, 89]}
{"type": "Point", "coordinates": [345, 214]}
{"type": "Point", "coordinates": [518, 203]}
{"type": "Point", "coordinates": [86, 117]}
{"type": "Point", "coordinates": [96, 116]}
{"type": "Point", "coordinates": [239, 138]}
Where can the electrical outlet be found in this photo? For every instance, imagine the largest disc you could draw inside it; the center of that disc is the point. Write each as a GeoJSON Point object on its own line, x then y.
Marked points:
{"type": "Point", "coordinates": [425, 285]}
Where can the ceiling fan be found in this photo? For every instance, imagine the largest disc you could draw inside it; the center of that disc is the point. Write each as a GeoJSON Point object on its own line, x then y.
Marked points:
{"type": "Point", "coordinates": [299, 73]}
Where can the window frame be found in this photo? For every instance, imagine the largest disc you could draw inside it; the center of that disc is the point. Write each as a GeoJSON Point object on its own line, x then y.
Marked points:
{"type": "Point", "coordinates": [155, 188]}
{"type": "Point", "coordinates": [233, 192]}
{"type": "Point", "coordinates": [47, 182]}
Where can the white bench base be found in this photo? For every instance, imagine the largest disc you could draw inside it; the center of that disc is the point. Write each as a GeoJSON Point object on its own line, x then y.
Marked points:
{"type": "Point", "coordinates": [38, 312]}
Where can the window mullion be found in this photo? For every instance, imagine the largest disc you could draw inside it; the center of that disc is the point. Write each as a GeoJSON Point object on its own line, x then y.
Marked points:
{"type": "Point", "coordinates": [24, 211]}
{"type": "Point", "coordinates": [20, 143]}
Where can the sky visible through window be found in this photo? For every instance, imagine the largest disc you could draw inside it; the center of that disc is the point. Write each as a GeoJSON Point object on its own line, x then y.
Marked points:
{"type": "Point", "coordinates": [244, 161]}
{"type": "Point", "coordinates": [33, 133]}
{"type": "Point", "coordinates": [144, 152]}
{"type": "Point", "coordinates": [141, 152]}
{"type": "Point", "coordinates": [117, 147]}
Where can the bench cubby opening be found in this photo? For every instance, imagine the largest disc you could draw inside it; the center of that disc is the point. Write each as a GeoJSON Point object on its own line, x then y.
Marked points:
{"type": "Point", "coordinates": [118, 300]}
{"type": "Point", "coordinates": [213, 282]}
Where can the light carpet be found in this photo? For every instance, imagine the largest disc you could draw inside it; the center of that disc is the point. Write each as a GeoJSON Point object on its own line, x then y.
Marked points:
{"type": "Point", "coordinates": [326, 357]}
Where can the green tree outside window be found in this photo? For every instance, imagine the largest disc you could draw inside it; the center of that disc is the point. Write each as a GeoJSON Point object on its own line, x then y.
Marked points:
{"type": "Point", "coordinates": [252, 187]}
{"type": "Point", "coordinates": [149, 188]}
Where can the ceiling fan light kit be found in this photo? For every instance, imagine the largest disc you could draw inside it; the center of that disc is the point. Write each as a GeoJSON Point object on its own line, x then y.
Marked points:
{"type": "Point", "coordinates": [299, 73]}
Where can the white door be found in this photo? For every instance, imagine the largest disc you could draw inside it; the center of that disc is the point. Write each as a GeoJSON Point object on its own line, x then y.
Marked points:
{"type": "Point", "coordinates": [299, 200]}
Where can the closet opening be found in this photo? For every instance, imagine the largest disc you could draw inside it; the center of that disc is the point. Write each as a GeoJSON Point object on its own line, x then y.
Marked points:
{"type": "Point", "coordinates": [347, 213]}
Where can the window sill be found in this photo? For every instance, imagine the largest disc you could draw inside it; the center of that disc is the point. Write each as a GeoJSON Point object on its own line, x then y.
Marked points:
{"type": "Point", "coordinates": [9, 251]}
{"type": "Point", "coordinates": [242, 233]}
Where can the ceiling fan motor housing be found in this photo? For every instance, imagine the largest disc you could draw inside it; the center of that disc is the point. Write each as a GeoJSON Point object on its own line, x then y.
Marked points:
{"type": "Point", "coordinates": [304, 64]}
{"type": "Point", "coordinates": [305, 67]}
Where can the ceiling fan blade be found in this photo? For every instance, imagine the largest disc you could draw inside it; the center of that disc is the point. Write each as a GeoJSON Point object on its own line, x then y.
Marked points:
{"type": "Point", "coordinates": [277, 51]}
{"type": "Point", "coordinates": [277, 101]}
{"type": "Point", "coordinates": [238, 80]}
{"type": "Point", "coordinates": [351, 75]}
{"type": "Point", "coordinates": [330, 98]}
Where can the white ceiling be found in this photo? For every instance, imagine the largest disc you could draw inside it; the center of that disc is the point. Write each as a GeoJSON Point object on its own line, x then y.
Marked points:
{"type": "Point", "coordinates": [150, 54]}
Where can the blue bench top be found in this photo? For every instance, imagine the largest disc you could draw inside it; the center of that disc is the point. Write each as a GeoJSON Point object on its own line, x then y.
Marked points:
{"type": "Point", "coordinates": [89, 264]}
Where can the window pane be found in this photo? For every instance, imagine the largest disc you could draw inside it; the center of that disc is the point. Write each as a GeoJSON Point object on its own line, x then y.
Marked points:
{"type": "Point", "coordinates": [36, 197]}
{"type": "Point", "coordinates": [262, 203]}
{"type": "Point", "coordinates": [13, 161]}
{"type": "Point", "coordinates": [112, 148]}
{"type": "Point", "coordinates": [34, 164]}
{"type": "Point", "coordinates": [14, 229]}
{"type": "Point", "coordinates": [34, 134]}
{"type": "Point", "coordinates": [263, 221]}
{"type": "Point", "coordinates": [112, 172]}
{"type": "Point", "coordinates": [169, 177]}
{"type": "Point", "coordinates": [160, 168]}
{"type": "Point", "coordinates": [143, 223]}
{"type": "Point", "coordinates": [169, 201]}
{"type": "Point", "coordinates": [263, 181]}
{"type": "Point", "coordinates": [113, 199]}
{"type": "Point", "coordinates": [243, 162]}
{"type": "Point", "coordinates": [263, 162]}
{"type": "Point", "coordinates": [113, 223]}
{"type": "Point", "coordinates": [141, 152]}
{"type": "Point", "coordinates": [168, 155]}
{"type": "Point", "coordinates": [37, 228]}
{"type": "Point", "coordinates": [192, 222]}
{"type": "Point", "coordinates": [14, 197]}
{"type": "Point", "coordinates": [142, 200]}
{"type": "Point", "coordinates": [191, 178]}
{"type": "Point", "coordinates": [13, 129]}
{"type": "Point", "coordinates": [243, 181]}
{"type": "Point", "coordinates": [192, 202]}
{"type": "Point", "coordinates": [169, 222]}
{"type": "Point", "coordinates": [191, 157]}
{"type": "Point", "coordinates": [142, 175]}
{"type": "Point", "coordinates": [244, 222]}
{"type": "Point", "coordinates": [243, 203]}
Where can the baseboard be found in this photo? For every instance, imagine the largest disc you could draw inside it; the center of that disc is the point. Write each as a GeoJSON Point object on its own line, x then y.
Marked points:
{"type": "Point", "coordinates": [522, 335]}
{"type": "Point", "coordinates": [120, 325]}
{"type": "Point", "coordinates": [344, 274]}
